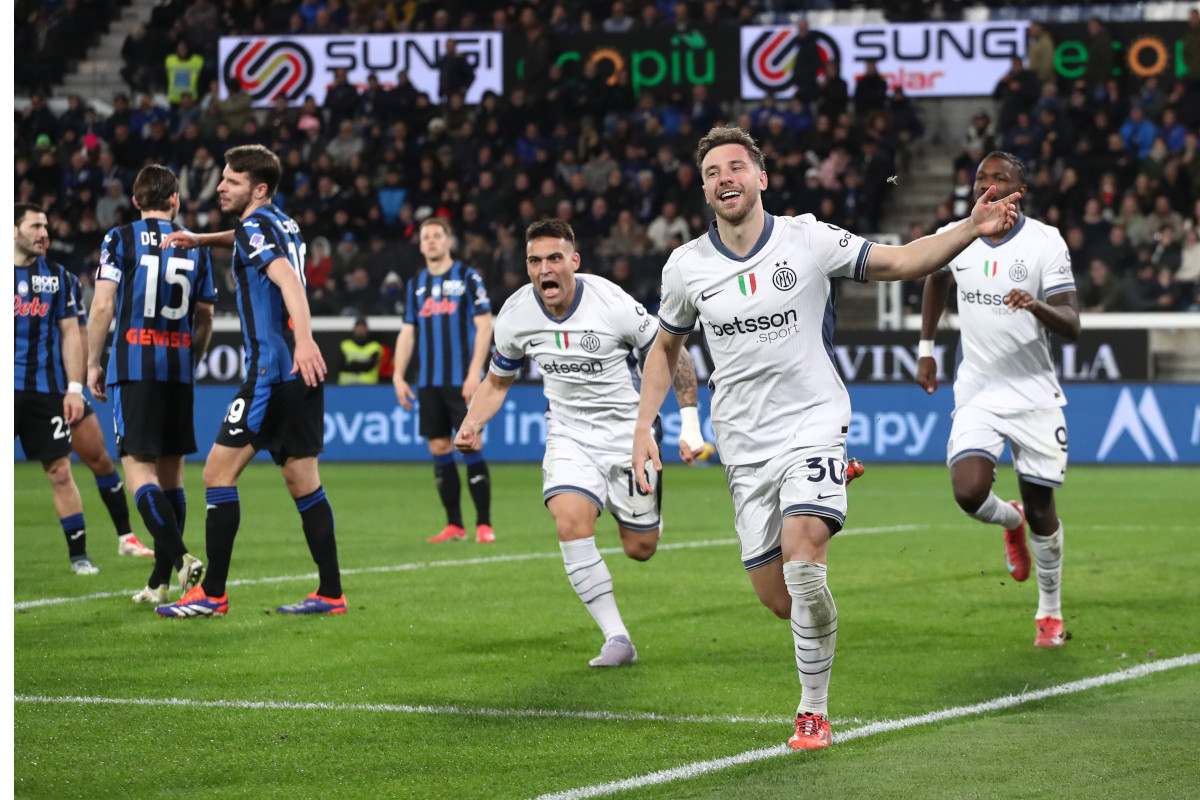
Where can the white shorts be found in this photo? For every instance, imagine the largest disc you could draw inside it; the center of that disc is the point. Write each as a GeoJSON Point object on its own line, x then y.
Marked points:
{"type": "Point", "coordinates": [805, 481]}
{"type": "Point", "coordinates": [605, 478]}
{"type": "Point", "coordinates": [1038, 440]}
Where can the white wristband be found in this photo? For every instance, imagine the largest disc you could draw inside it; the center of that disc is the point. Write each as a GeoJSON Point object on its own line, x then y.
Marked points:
{"type": "Point", "coordinates": [689, 429]}
{"type": "Point", "coordinates": [925, 348]}
{"type": "Point", "coordinates": [74, 387]}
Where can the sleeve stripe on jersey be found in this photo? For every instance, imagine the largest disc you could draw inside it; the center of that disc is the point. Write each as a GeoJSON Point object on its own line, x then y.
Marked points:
{"type": "Point", "coordinates": [1062, 287]}
{"type": "Point", "coordinates": [646, 347]}
{"type": "Point", "coordinates": [677, 331]}
{"type": "Point", "coordinates": [860, 267]}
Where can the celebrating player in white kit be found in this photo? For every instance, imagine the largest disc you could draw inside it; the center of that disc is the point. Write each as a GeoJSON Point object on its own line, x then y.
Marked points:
{"type": "Point", "coordinates": [586, 336]}
{"type": "Point", "coordinates": [760, 288]}
{"type": "Point", "coordinates": [1005, 386]}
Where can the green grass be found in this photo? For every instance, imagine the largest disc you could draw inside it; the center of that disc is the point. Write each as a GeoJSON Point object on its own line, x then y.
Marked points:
{"type": "Point", "coordinates": [929, 619]}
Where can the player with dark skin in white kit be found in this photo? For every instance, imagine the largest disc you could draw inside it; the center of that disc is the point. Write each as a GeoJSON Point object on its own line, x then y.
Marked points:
{"type": "Point", "coordinates": [1013, 287]}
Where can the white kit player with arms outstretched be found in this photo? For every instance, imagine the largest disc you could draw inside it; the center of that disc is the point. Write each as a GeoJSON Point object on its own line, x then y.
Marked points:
{"type": "Point", "coordinates": [760, 288]}
{"type": "Point", "coordinates": [1012, 290]}
{"type": "Point", "coordinates": [587, 337]}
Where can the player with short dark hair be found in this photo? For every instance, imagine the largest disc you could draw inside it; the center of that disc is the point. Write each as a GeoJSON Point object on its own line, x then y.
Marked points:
{"type": "Point", "coordinates": [449, 318]}
{"type": "Point", "coordinates": [587, 337]}
{"type": "Point", "coordinates": [1004, 386]}
{"type": "Point", "coordinates": [162, 300]}
{"type": "Point", "coordinates": [48, 376]}
{"type": "Point", "coordinates": [281, 406]}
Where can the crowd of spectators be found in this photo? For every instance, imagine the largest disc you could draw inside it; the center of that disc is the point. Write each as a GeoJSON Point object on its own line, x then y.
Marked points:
{"type": "Point", "coordinates": [1115, 167]}
{"type": "Point", "coordinates": [50, 35]}
{"type": "Point", "coordinates": [362, 171]}
{"type": "Point", "coordinates": [1117, 174]}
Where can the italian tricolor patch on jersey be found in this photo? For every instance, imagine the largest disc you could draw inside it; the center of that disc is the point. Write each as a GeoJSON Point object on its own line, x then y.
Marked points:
{"type": "Point", "coordinates": [560, 339]}
{"type": "Point", "coordinates": [747, 285]}
{"type": "Point", "coordinates": [989, 268]}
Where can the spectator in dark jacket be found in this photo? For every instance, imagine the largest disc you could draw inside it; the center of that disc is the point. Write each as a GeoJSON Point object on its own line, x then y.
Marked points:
{"type": "Point", "coordinates": [870, 93]}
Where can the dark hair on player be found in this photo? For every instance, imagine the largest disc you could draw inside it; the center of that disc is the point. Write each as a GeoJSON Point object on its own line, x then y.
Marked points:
{"type": "Point", "coordinates": [728, 135]}
{"type": "Point", "coordinates": [441, 222]}
{"type": "Point", "coordinates": [1012, 160]}
{"type": "Point", "coordinates": [260, 163]}
{"type": "Point", "coordinates": [27, 208]}
{"type": "Point", "coordinates": [550, 228]}
{"type": "Point", "coordinates": [153, 188]}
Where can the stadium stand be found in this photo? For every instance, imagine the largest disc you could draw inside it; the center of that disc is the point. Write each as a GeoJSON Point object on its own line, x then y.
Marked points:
{"type": "Point", "coordinates": [1114, 165]}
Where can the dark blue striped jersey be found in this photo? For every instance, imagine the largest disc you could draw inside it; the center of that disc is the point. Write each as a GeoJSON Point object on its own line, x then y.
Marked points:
{"type": "Point", "coordinates": [77, 296]}
{"type": "Point", "coordinates": [155, 303]}
{"type": "Point", "coordinates": [44, 296]}
{"type": "Point", "coordinates": [443, 309]}
{"type": "Point", "coordinates": [262, 237]}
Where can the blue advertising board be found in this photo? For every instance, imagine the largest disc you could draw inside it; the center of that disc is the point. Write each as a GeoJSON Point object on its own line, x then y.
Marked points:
{"type": "Point", "coordinates": [1107, 423]}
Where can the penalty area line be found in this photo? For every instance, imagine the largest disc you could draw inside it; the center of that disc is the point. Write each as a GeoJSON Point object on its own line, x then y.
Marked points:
{"type": "Point", "coordinates": [761, 754]}
{"type": "Point", "coordinates": [457, 562]}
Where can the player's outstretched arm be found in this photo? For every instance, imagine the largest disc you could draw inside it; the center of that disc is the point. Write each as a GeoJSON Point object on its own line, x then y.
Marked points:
{"type": "Point", "coordinates": [187, 240]}
{"type": "Point", "coordinates": [97, 332]}
{"type": "Point", "coordinates": [933, 303]}
{"type": "Point", "coordinates": [930, 253]}
{"type": "Point", "coordinates": [72, 357]}
{"type": "Point", "coordinates": [485, 405]}
{"type": "Point", "coordinates": [306, 359]}
{"type": "Point", "coordinates": [406, 340]}
{"type": "Point", "coordinates": [660, 366]}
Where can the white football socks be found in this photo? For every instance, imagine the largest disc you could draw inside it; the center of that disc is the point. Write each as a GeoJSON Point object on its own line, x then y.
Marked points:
{"type": "Point", "coordinates": [593, 583]}
{"type": "Point", "coordinates": [997, 511]}
{"type": "Point", "coordinates": [814, 631]}
{"type": "Point", "coordinates": [1048, 557]}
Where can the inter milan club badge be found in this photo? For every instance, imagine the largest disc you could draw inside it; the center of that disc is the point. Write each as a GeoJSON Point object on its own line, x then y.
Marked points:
{"type": "Point", "coordinates": [590, 342]}
{"type": "Point", "coordinates": [784, 278]}
{"type": "Point", "coordinates": [1017, 272]}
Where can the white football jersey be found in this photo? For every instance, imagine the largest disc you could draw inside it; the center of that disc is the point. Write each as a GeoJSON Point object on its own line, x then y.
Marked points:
{"type": "Point", "coordinates": [768, 324]}
{"type": "Point", "coordinates": [587, 358]}
{"type": "Point", "coordinates": [1004, 361]}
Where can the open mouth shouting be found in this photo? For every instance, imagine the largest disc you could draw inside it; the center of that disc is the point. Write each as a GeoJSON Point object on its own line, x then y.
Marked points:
{"type": "Point", "coordinates": [551, 290]}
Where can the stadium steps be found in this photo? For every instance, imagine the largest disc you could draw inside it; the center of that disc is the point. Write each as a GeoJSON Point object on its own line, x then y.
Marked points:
{"type": "Point", "coordinates": [98, 76]}
{"type": "Point", "coordinates": [928, 183]}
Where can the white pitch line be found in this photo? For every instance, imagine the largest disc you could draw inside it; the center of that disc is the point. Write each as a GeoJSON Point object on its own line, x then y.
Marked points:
{"type": "Point", "coordinates": [460, 562]}
{"type": "Point", "coordinates": [251, 705]}
{"type": "Point", "coordinates": [704, 767]}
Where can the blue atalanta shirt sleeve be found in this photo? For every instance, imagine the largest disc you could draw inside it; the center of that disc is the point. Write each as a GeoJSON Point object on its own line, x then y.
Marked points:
{"type": "Point", "coordinates": [112, 257]}
{"type": "Point", "coordinates": [259, 243]}
{"type": "Point", "coordinates": [206, 290]}
{"type": "Point", "coordinates": [62, 303]}
{"type": "Point", "coordinates": [77, 297]}
{"type": "Point", "coordinates": [410, 305]}
{"type": "Point", "coordinates": [477, 294]}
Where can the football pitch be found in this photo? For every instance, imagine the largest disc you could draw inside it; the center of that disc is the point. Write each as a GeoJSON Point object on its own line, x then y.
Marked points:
{"type": "Point", "coordinates": [461, 669]}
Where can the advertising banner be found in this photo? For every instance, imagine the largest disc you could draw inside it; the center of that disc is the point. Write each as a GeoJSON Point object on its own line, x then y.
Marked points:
{"type": "Point", "coordinates": [927, 59]}
{"type": "Point", "coordinates": [1106, 424]}
{"type": "Point", "coordinates": [299, 66]}
{"type": "Point", "coordinates": [861, 356]}
{"type": "Point", "coordinates": [658, 60]}
{"type": "Point", "coordinates": [1140, 50]}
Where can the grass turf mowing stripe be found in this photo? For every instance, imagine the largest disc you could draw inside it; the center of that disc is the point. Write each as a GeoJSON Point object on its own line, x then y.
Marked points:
{"type": "Point", "coordinates": [250, 705]}
{"type": "Point", "coordinates": [761, 754]}
{"type": "Point", "coordinates": [459, 562]}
